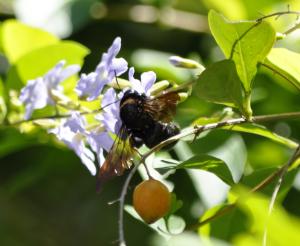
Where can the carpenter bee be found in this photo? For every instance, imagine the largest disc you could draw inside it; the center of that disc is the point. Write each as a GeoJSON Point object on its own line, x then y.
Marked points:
{"type": "Point", "coordinates": [145, 120]}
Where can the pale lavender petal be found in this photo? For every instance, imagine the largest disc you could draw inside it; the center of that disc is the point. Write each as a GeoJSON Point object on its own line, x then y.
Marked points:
{"type": "Point", "coordinates": [34, 95]}
{"type": "Point", "coordinates": [69, 71]}
{"type": "Point", "coordinates": [136, 84]}
{"type": "Point", "coordinates": [75, 141]}
{"type": "Point", "coordinates": [147, 81]}
{"type": "Point", "coordinates": [119, 66]}
{"type": "Point", "coordinates": [100, 140]}
{"type": "Point", "coordinates": [76, 123]}
{"type": "Point", "coordinates": [89, 86]}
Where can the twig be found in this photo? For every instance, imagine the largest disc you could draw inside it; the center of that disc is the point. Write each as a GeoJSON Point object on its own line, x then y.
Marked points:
{"type": "Point", "coordinates": [196, 131]}
{"type": "Point", "coordinates": [277, 187]}
{"type": "Point", "coordinates": [57, 116]}
{"type": "Point", "coordinates": [276, 14]}
{"type": "Point", "coordinates": [122, 201]}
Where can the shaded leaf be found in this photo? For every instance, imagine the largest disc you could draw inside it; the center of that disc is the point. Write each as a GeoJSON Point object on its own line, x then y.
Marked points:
{"type": "Point", "coordinates": [209, 164]}
{"type": "Point", "coordinates": [287, 63]}
{"type": "Point", "coordinates": [257, 176]}
{"type": "Point", "coordinates": [219, 83]}
{"type": "Point", "coordinates": [225, 227]}
{"type": "Point", "coordinates": [249, 50]}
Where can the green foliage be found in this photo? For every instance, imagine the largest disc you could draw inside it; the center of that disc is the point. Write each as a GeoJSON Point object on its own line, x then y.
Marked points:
{"type": "Point", "coordinates": [234, 154]}
{"type": "Point", "coordinates": [210, 164]}
{"type": "Point", "coordinates": [280, 226]}
{"type": "Point", "coordinates": [239, 41]}
{"type": "Point", "coordinates": [3, 108]}
{"type": "Point", "coordinates": [286, 62]}
{"type": "Point", "coordinates": [37, 62]}
{"type": "Point", "coordinates": [15, 47]}
{"type": "Point", "coordinates": [219, 83]}
{"type": "Point", "coordinates": [262, 131]}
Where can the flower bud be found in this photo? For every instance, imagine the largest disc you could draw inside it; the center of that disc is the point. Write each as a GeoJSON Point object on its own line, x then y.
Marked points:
{"type": "Point", "coordinates": [178, 61]}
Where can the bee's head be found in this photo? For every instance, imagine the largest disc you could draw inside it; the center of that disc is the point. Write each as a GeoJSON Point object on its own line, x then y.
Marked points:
{"type": "Point", "coordinates": [132, 94]}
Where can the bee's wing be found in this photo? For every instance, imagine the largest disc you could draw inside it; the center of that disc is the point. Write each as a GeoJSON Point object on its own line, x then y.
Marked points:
{"type": "Point", "coordinates": [162, 107]}
{"type": "Point", "coordinates": [117, 160]}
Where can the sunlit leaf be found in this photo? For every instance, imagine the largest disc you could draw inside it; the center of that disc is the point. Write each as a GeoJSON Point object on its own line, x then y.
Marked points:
{"type": "Point", "coordinates": [210, 164]}
{"type": "Point", "coordinates": [262, 131]}
{"type": "Point", "coordinates": [219, 83]}
{"type": "Point", "coordinates": [19, 39]}
{"type": "Point", "coordinates": [281, 227]}
{"type": "Point", "coordinates": [3, 109]}
{"type": "Point", "coordinates": [287, 63]}
{"type": "Point", "coordinates": [239, 41]}
{"type": "Point", "coordinates": [39, 61]}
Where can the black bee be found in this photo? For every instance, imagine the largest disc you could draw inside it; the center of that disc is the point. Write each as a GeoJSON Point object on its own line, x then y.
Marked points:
{"type": "Point", "coordinates": [142, 122]}
{"type": "Point", "coordinates": [145, 120]}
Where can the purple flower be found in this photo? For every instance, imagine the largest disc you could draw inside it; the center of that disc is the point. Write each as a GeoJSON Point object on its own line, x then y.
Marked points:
{"type": "Point", "coordinates": [144, 85]}
{"type": "Point", "coordinates": [90, 86]}
{"type": "Point", "coordinates": [110, 118]}
{"type": "Point", "coordinates": [110, 115]}
{"type": "Point", "coordinates": [99, 141]}
{"type": "Point", "coordinates": [72, 133]}
{"type": "Point", "coordinates": [37, 93]}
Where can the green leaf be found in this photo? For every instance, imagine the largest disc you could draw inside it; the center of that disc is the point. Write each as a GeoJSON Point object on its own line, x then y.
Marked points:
{"type": "Point", "coordinates": [287, 63]}
{"type": "Point", "coordinates": [257, 176]}
{"type": "Point", "coordinates": [18, 39]}
{"type": "Point", "coordinates": [39, 61]}
{"type": "Point", "coordinates": [225, 227]}
{"type": "Point", "coordinates": [170, 225]}
{"type": "Point", "coordinates": [261, 131]}
{"type": "Point", "coordinates": [3, 109]}
{"type": "Point", "coordinates": [281, 227]}
{"type": "Point", "coordinates": [219, 83]}
{"type": "Point", "coordinates": [247, 43]}
{"type": "Point", "coordinates": [209, 164]}
{"type": "Point", "coordinates": [12, 140]}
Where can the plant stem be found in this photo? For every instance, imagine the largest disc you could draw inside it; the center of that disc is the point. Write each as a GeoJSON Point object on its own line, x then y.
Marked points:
{"type": "Point", "coordinates": [281, 176]}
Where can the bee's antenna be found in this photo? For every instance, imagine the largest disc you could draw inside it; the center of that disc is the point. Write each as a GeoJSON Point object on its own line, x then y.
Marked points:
{"type": "Point", "coordinates": [117, 80]}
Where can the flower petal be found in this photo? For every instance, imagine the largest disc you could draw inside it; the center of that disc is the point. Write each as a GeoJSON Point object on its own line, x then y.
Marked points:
{"type": "Point", "coordinates": [147, 81]}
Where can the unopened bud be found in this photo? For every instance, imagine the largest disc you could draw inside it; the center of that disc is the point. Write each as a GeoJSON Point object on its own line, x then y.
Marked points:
{"type": "Point", "coordinates": [159, 86]}
{"type": "Point", "coordinates": [178, 61]}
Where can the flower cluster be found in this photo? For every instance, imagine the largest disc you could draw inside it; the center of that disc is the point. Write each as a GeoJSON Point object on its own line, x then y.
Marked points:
{"type": "Point", "coordinates": [74, 131]}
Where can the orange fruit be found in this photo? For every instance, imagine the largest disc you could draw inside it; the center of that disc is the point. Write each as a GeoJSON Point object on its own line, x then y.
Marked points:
{"type": "Point", "coordinates": [151, 200]}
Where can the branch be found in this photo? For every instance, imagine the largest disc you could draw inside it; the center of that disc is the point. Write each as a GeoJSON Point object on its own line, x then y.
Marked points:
{"type": "Point", "coordinates": [281, 176]}
{"type": "Point", "coordinates": [57, 116]}
{"type": "Point", "coordinates": [278, 14]}
{"type": "Point", "coordinates": [196, 131]}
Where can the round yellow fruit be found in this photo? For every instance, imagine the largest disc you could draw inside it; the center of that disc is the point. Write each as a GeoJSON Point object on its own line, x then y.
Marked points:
{"type": "Point", "coordinates": [151, 200]}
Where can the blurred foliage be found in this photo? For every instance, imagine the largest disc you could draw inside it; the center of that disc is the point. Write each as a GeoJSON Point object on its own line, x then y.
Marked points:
{"type": "Point", "coordinates": [46, 195]}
